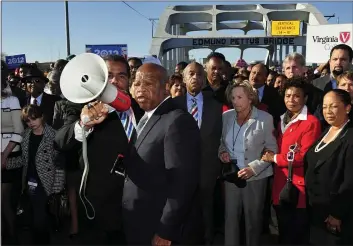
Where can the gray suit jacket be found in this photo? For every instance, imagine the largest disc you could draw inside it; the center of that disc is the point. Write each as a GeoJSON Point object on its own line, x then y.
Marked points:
{"type": "Point", "coordinates": [322, 82]}
{"type": "Point", "coordinates": [257, 136]}
{"type": "Point", "coordinates": [52, 177]}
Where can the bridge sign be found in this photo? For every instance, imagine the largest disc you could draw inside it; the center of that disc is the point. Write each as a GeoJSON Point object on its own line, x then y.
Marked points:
{"type": "Point", "coordinates": [285, 28]}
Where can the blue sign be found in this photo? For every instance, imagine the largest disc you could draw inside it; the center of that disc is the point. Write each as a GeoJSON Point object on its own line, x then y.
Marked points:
{"type": "Point", "coordinates": [15, 61]}
{"type": "Point", "coordinates": [107, 49]}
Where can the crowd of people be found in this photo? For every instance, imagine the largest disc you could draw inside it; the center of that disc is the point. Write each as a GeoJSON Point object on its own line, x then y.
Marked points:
{"type": "Point", "coordinates": [209, 149]}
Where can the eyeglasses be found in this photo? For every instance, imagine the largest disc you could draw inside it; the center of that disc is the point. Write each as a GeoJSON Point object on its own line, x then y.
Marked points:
{"type": "Point", "coordinates": [292, 149]}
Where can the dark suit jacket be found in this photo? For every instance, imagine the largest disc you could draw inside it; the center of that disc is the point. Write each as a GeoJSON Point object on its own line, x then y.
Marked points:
{"type": "Point", "coordinates": [315, 97]}
{"type": "Point", "coordinates": [65, 113]}
{"type": "Point", "coordinates": [62, 110]}
{"type": "Point", "coordinates": [47, 105]}
{"type": "Point", "coordinates": [211, 131]}
{"type": "Point", "coordinates": [220, 93]}
{"type": "Point", "coordinates": [329, 181]}
{"type": "Point", "coordinates": [104, 144]}
{"type": "Point", "coordinates": [275, 104]}
{"type": "Point", "coordinates": [160, 192]}
{"type": "Point", "coordinates": [323, 83]}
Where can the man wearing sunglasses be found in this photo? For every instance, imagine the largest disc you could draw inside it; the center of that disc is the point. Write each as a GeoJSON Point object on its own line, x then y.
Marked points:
{"type": "Point", "coordinates": [35, 83]}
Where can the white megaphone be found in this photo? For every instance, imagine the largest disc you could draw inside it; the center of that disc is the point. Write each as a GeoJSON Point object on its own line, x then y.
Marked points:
{"type": "Point", "coordinates": [85, 78]}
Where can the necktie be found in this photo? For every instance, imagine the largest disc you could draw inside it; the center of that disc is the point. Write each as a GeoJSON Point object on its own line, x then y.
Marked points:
{"type": "Point", "coordinates": [258, 94]}
{"type": "Point", "coordinates": [194, 110]}
{"type": "Point", "coordinates": [35, 102]}
{"type": "Point", "coordinates": [141, 124]}
{"type": "Point", "coordinates": [126, 121]}
{"type": "Point", "coordinates": [334, 83]}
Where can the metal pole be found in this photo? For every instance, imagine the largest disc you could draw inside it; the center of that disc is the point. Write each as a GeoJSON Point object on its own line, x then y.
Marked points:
{"type": "Point", "coordinates": [152, 22]}
{"type": "Point", "coordinates": [67, 28]}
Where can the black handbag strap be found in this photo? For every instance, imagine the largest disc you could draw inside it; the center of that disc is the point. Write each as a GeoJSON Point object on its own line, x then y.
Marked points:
{"type": "Point", "coordinates": [290, 159]}
{"type": "Point", "coordinates": [290, 171]}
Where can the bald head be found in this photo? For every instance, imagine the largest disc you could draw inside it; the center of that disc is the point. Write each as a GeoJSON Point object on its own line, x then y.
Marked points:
{"type": "Point", "coordinates": [154, 70]}
{"type": "Point", "coordinates": [150, 85]}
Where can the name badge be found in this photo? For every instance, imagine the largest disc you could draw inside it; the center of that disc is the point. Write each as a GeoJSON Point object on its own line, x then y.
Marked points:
{"type": "Point", "coordinates": [32, 185]}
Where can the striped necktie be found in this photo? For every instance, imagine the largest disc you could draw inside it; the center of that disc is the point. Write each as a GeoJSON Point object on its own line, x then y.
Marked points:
{"type": "Point", "coordinates": [35, 102]}
{"type": "Point", "coordinates": [126, 121]}
{"type": "Point", "coordinates": [194, 110]}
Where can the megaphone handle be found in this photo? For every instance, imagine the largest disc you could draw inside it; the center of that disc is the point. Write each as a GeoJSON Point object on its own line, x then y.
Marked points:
{"type": "Point", "coordinates": [82, 196]}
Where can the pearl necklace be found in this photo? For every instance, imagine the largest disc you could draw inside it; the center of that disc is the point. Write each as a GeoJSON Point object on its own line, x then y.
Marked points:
{"type": "Point", "coordinates": [318, 149]}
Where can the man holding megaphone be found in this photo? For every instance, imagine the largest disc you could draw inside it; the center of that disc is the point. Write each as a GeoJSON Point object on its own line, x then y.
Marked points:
{"type": "Point", "coordinates": [110, 130]}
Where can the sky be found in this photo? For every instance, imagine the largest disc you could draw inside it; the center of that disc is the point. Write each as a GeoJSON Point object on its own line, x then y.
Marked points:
{"type": "Point", "coordinates": [37, 29]}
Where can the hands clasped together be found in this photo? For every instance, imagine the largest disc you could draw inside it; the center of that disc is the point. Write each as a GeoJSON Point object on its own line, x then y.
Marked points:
{"type": "Point", "coordinates": [248, 172]}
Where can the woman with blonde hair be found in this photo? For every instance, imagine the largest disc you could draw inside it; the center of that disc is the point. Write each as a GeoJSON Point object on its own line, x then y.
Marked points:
{"type": "Point", "coordinates": [345, 82]}
{"type": "Point", "coordinates": [176, 85]}
{"type": "Point", "coordinates": [246, 133]}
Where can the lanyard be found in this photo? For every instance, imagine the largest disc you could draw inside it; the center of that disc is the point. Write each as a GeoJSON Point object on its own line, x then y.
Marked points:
{"type": "Point", "coordinates": [235, 119]}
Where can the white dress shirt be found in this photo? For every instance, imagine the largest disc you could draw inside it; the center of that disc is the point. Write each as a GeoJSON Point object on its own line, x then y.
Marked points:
{"type": "Point", "coordinates": [39, 99]}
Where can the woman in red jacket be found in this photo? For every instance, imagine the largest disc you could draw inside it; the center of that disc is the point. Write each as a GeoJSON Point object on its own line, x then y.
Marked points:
{"type": "Point", "coordinates": [298, 130]}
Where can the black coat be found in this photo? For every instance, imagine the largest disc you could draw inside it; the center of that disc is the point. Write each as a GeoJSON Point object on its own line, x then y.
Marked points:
{"type": "Point", "coordinates": [211, 131]}
{"type": "Point", "coordinates": [63, 109]}
{"type": "Point", "coordinates": [104, 144]}
{"type": "Point", "coordinates": [329, 183]}
{"type": "Point", "coordinates": [274, 102]}
{"type": "Point", "coordinates": [161, 189]}
{"type": "Point", "coordinates": [66, 113]}
{"type": "Point", "coordinates": [220, 93]}
{"type": "Point", "coordinates": [315, 98]}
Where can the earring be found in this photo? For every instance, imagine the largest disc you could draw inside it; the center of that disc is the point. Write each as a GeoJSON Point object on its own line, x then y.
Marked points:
{"type": "Point", "coordinates": [348, 112]}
